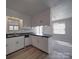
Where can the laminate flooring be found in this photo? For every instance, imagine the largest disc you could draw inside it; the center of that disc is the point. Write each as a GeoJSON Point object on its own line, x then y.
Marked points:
{"type": "Point", "coordinates": [28, 53]}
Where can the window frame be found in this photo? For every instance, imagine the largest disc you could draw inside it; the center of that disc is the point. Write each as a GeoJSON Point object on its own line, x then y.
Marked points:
{"type": "Point", "coordinates": [61, 30]}
{"type": "Point", "coordinates": [16, 20]}
{"type": "Point", "coordinates": [14, 27]}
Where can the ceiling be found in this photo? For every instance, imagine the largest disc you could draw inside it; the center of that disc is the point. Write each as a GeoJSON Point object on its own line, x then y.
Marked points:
{"type": "Point", "coordinates": [29, 7]}
{"type": "Point", "coordinates": [33, 7]}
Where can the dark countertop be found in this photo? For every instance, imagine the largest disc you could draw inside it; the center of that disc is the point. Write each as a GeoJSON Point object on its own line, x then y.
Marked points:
{"type": "Point", "coordinates": [44, 35]}
{"type": "Point", "coordinates": [10, 35]}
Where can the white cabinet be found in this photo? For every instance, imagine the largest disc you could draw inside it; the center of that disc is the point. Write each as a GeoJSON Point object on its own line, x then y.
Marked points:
{"type": "Point", "coordinates": [35, 41]}
{"type": "Point", "coordinates": [10, 45]}
{"type": "Point", "coordinates": [40, 42]}
{"type": "Point", "coordinates": [27, 41]}
{"type": "Point", "coordinates": [43, 44]}
{"type": "Point", "coordinates": [19, 42]}
{"type": "Point", "coordinates": [13, 44]}
{"type": "Point", "coordinates": [7, 46]}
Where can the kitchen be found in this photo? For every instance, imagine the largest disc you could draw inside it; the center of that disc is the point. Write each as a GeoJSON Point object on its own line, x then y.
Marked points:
{"type": "Point", "coordinates": [39, 29]}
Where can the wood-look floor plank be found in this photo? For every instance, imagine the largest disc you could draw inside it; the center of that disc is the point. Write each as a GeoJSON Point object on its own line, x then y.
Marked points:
{"type": "Point", "coordinates": [25, 54]}
{"type": "Point", "coordinates": [17, 53]}
{"type": "Point", "coordinates": [28, 53]}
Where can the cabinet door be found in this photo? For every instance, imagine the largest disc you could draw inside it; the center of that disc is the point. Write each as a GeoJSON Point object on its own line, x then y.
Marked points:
{"type": "Point", "coordinates": [11, 45]}
{"type": "Point", "coordinates": [27, 41]}
{"type": "Point", "coordinates": [7, 46]}
{"type": "Point", "coordinates": [43, 44]}
{"type": "Point", "coordinates": [35, 41]}
{"type": "Point", "coordinates": [19, 42]}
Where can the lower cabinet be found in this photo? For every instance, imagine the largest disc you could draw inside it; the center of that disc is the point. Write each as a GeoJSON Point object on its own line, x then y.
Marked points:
{"type": "Point", "coordinates": [27, 41]}
{"type": "Point", "coordinates": [13, 44]}
{"type": "Point", "coordinates": [16, 43]}
{"type": "Point", "coordinates": [19, 42]}
{"type": "Point", "coordinates": [7, 46]}
{"type": "Point", "coordinates": [40, 42]}
{"type": "Point", "coordinates": [35, 41]}
{"type": "Point", "coordinates": [10, 45]}
{"type": "Point", "coordinates": [43, 44]}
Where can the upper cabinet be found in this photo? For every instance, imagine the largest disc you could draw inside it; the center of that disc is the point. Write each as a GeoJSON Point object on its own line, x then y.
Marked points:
{"type": "Point", "coordinates": [42, 18]}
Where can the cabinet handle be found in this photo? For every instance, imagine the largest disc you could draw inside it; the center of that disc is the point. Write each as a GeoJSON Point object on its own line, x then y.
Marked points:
{"type": "Point", "coordinates": [17, 42]}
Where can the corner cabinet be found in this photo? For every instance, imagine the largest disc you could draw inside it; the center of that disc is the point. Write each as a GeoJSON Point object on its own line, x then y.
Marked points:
{"type": "Point", "coordinates": [43, 44]}
{"type": "Point", "coordinates": [35, 41]}
{"type": "Point", "coordinates": [40, 42]}
{"type": "Point", "coordinates": [27, 41]}
{"type": "Point", "coordinates": [13, 44]}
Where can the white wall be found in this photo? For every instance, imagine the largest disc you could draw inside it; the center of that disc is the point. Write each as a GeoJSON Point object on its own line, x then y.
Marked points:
{"type": "Point", "coordinates": [62, 10]}
{"type": "Point", "coordinates": [44, 17]}
{"type": "Point", "coordinates": [63, 13]}
{"type": "Point", "coordinates": [26, 19]}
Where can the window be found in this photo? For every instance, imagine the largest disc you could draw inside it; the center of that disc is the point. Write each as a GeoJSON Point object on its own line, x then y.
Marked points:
{"type": "Point", "coordinates": [39, 30]}
{"type": "Point", "coordinates": [16, 27]}
{"type": "Point", "coordinates": [13, 27]}
{"type": "Point", "coordinates": [59, 28]}
{"type": "Point", "coordinates": [13, 24]}
{"type": "Point", "coordinates": [10, 27]}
